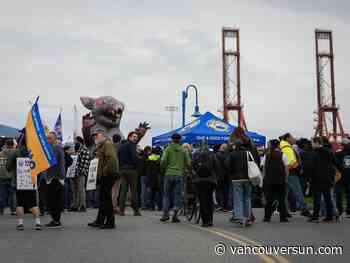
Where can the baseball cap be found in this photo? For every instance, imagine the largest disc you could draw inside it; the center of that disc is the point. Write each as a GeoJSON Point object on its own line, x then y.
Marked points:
{"type": "Point", "coordinates": [98, 130]}
{"type": "Point", "coordinates": [176, 136]}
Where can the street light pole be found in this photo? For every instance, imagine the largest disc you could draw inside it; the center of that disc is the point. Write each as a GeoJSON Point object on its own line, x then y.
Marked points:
{"type": "Point", "coordinates": [172, 109]}
{"type": "Point", "coordinates": [196, 112]}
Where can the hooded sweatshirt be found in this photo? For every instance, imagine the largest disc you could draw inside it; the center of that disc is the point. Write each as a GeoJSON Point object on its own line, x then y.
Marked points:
{"type": "Point", "coordinates": [175, 159]}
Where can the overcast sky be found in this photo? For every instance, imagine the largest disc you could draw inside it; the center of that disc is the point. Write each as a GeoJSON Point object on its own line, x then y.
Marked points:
{"type": "Point", "coordinates": [145, 52]}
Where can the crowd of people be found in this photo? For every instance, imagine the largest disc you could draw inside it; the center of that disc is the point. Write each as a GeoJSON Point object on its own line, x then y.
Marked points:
{"type": "Point", "coordinates": [161, 179]}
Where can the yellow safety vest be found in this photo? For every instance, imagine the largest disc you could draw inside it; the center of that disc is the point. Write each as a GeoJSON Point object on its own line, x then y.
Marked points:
{"type": "Point", "coordinates": [288, 150]}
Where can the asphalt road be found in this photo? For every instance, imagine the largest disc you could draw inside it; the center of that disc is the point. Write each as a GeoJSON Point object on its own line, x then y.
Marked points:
{"type": "Point", "coordinates": [145, 239]}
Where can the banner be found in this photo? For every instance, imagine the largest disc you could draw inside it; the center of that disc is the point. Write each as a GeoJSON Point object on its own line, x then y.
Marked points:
{"type": "Point", "coordinates": [24, 175]}
{"type": "Point", "coordinates": [92, 176]}
{"type": "Point", "coordinates": [40, 150]}
{"type": "Point", "coordinates": [72, 169]}
{"type": "Point", "coordinates": [58, 128]}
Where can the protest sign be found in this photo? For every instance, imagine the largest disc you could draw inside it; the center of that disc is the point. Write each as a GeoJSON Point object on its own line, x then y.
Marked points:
{"type": "Point", "coordinates": [72, 169]}
{"type": "Point", "coordinates": [24, 175]}
{"type": "Point", "coordinates": [92, 176]}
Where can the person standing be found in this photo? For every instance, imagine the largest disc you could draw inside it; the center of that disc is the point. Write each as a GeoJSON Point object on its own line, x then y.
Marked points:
{"type": "Point", "coordinates": [240, 135]}
{"type": "Point", "coordinates": [55, 181]}
{"type": "Point", "coordinates": [323, 179]}
{"type": "Point", "coordinates": [26, 199]}
{"type": "Point", "coordinates": [68, 160]}
{"type": "Point", "coordinates": [107, 171]}
{"type": "Point", "coordinates": [224, 183]}
{"type": "Point", "coordinates": [237, 164]}
{"type": "Point", "coordinates": [145, 184]}
{"type": "Point", "coordinates": [275, 178]}
{"type": "Point", "coordinates": [128, 161]}
{"type": "Point", "coordinates": [307, 158]}
{"type": "Point", "coordinates": [174, 162]}
{"type": "Point", "coordinates": [153, 175]}
{"type": "Point", "coordinates": [205, 166]}
{"type": "Point", "coordinates": [74, 182]}
{"type": "Point", "coordinates": [82, 170]}
{"type": "Point", "coordinates": [116, 187]}
{"type": "Point", "coordinates": [7, 189]}
{"type": "Point", "coordinates": [343, 159]}
{"type": "Point", "coordinates": [294, 166]}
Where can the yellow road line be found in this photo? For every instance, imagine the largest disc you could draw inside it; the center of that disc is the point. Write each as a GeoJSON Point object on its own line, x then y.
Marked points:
{"type": "Point", "coordinates": [235, 238]}
{"type": "Point", "coordinates": [251, 242]}
{"type": "Point", "coordinates": [265, 258]}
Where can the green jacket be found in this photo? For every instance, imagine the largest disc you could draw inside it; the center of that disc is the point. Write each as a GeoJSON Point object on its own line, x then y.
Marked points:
{"type": "Point", "coordinates": [108, 164]}
{"type": "Point", "coordinates": [11, 164]}
{"type": "Point", "coordinates": [175, 160]}
{"type": "Point", "coordinates": [4, 156]}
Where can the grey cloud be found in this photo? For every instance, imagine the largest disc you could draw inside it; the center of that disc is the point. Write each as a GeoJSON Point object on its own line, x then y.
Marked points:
{"type": "Point", "coordinates": [145, 52]}
{"type": "Point", "coordinates": [335, 8]}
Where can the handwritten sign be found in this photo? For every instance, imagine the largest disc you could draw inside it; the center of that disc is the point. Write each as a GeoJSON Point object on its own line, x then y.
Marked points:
{"type": "Point", "coordinates": [92, 176]}
{"type": "Point", "coordinates": [72, 169]}
{"type": "Point", "coordinates": [24, 175]}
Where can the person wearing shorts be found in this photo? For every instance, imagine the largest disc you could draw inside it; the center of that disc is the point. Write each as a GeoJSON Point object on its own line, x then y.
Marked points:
{"type": "Point", "coordinates": [28, 199]}
{"type": "Point", "coordinates": [25, 198]}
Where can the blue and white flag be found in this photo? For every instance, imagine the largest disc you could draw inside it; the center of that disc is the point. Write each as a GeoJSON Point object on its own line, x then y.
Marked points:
{"type": "Point", "coordinates": [58, 128]}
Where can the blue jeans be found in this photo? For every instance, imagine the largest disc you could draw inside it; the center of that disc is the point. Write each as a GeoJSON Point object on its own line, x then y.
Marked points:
{"type": "Point", "coordinates": [323, 210]}
{"type": "Point", "coordinates": [145, 192]}
{"type": "Point", "coordinates": [173, 189]}
{"type": "Point", "coordinates": [242, 200]}
{"type": "Point", "coordinates": [328, 203]}
{"type": "Point", "coordinates": [295, 187]}
{"type": "Point", "coordinates": [6, 195]}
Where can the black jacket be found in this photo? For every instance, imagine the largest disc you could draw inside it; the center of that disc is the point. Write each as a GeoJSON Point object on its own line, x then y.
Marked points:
{"type": "Point", "coordinates": [68, 160]}
{"type": "Point", "coordinates": [58, 171]}
{"type": "Point", "coordinates": [210, 178]}
{"type": "Point", "coordinates": [275, 170]}
{"type": "Point", "coordinates": [222, 173]}
{"type": "Point", "coordinates": [152, 171]}
{"type": "Point", "coordinates": [308, 163]}
{"type": "Point", "coordinates": [127, 155]}
{"type": "Point", "coordinates": [323, 176]}
{"type": "Point", "coordinates": [141, 164]}
{"type": "Point", "coordinates": [237, 166]}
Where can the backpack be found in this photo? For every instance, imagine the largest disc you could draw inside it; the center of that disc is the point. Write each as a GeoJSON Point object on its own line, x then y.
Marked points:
{"type": "Point", "coordinates": [203, 164]}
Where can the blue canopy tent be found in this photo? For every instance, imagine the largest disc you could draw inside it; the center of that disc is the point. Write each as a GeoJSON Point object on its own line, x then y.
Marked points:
{"type": "Point", "coordinates": [207, 127]}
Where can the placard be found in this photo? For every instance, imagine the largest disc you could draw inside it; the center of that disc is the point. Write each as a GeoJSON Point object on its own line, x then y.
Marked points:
{"type": "Point", "coordinates": [24, 175]}
{"type": "Point", "coordinates": [72, 169]}
{"type": "Point", "coordinates": [92, 176]}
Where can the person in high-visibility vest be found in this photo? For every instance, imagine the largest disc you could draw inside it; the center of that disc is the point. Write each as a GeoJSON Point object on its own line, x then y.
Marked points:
{"type": "Point", "coordinates": [295, 168]}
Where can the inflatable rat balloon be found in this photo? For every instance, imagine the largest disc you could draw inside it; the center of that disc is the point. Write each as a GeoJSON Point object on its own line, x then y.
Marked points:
{"type": "Point", "coordinates": [106, 112]}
